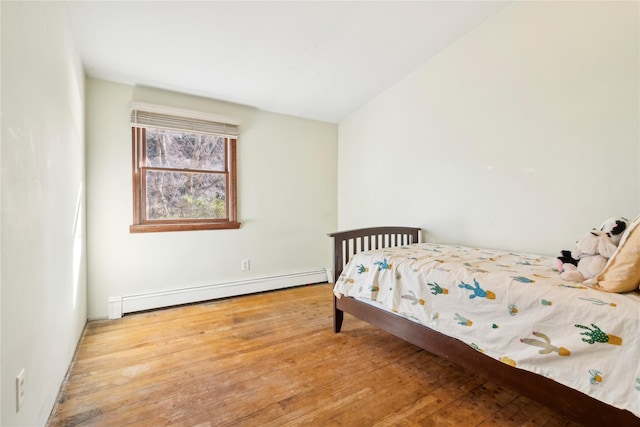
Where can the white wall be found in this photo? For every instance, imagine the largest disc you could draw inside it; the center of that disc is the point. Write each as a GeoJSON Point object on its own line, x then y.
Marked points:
{"type": "Point", "coordinates": [287, 201]}
{"type": "Point", "coordinates": [522, 135]}
{"type": "Point", "coordinates": [42, 218]}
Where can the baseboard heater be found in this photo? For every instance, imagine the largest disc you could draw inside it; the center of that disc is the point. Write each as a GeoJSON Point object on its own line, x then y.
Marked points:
{"type": "Point", "coordinates": [120, 305]}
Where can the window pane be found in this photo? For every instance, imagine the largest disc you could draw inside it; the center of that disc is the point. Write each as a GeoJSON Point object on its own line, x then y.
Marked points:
{"type": "Point", "coordinates": [182, 150]}
{"type": "Point", "coordinates": [183, 195]}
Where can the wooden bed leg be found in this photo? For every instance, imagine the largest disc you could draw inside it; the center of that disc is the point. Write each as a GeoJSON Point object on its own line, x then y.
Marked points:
{"type": "Point", "coordinates": [338, 316]}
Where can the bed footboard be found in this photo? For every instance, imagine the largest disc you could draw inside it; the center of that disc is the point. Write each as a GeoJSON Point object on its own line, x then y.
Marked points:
{"type": "Point", "coordinates": [348, 243]}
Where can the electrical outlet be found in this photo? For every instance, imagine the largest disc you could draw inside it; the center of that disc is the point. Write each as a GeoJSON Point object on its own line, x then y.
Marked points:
{"type": "Point", "coordinates": [245, 265]}
{"type": "Point", "coordinates": [19, 390]}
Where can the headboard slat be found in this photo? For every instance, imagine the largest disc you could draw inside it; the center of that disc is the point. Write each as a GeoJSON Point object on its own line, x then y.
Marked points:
{"type": "Point", "coordinates": [350, 242]}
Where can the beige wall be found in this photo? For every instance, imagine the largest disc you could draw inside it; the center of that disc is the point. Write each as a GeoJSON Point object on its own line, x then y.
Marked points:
{"type": "Point", "coordinates": [286, 201]}
{"type": "Point", "coordinates": [522, 135]}
{"type": "Point", "coordinates": [43, 273]}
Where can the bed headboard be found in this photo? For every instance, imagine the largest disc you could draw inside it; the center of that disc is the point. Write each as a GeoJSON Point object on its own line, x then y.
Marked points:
{"type": "Point", "coordinates": [350, 242]}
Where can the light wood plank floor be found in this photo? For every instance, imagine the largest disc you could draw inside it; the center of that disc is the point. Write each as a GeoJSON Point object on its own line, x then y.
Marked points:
{"type": "Point", "coordinates": [272, 359]}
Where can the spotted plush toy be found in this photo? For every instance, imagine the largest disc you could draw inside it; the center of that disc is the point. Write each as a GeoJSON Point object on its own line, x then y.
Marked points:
{"type": "Point", "coordinates": [592, 253]}
{"type": "Point", "coordinates": [614, 227]}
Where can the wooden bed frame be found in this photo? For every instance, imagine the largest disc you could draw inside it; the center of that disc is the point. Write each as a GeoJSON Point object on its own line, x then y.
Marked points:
{"type": "Point", "coordinates": [570, 402]}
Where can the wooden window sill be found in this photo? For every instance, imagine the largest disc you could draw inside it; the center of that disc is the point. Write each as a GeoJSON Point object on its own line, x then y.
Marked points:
{"type": "Point", "coordinates": [156, 228]}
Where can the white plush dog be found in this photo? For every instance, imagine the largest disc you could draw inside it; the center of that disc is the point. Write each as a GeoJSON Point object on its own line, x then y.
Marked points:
{"type": "Point", "coordinates": [592, 253]}
{"type": "Point", "coordinates": [615, 228]}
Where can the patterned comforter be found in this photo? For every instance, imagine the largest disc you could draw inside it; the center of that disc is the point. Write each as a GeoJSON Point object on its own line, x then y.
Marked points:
{"type": "Point", "coordinates": [511, 307]}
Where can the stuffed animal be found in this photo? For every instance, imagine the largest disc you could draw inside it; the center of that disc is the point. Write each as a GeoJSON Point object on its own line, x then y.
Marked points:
{"type": "Point", "coordinates": [614, 227]}
{"type": "Point", "coordinates": [565, 258]}
{"type": "Point", "coordinates": [592, 252]}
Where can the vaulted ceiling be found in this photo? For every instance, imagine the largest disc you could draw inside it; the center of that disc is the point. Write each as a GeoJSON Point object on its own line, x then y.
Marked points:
{"type": "Point", "coordinates": [319, 60]}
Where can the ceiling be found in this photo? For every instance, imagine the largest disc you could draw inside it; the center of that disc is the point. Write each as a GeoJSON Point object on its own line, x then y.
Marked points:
{"type": "Point", "coordinates": [319, 60]}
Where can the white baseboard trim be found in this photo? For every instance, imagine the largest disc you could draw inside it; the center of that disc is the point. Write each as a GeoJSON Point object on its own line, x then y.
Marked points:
{"type": "Point", "coordinates": [119, 305]}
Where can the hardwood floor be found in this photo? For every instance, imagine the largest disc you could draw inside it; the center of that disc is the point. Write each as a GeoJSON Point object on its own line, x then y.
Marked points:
{"type": "Point", "coordinates": [272, 359]}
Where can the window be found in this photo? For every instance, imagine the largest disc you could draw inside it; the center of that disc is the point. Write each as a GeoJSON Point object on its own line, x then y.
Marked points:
{"type": "Point", "coordinates": [184, 175]}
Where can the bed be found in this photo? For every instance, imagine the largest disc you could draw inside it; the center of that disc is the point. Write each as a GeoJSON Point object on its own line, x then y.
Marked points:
{"type": "Point", "coordinates": [506, 316]}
